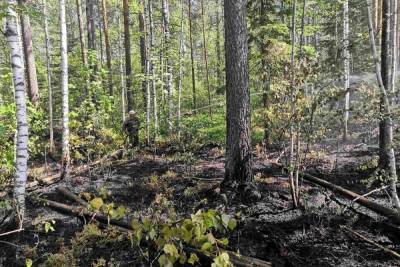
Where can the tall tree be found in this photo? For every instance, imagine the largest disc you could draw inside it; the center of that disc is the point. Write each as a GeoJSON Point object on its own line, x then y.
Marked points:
{"type": "Point", "coordinates": [346, 64]}
{"type": "Point", "coordinates": [33, 87]}
{"type": "Point", "coordinates": [81, 33]}
{"type": "Point", "coordinates": [152, 71]}
{"type": "Point", "coordinates": [49, 80]}
{"type": "Point", "coordinates": [238, 166]}
{"type": "Point", "coordinates": [192, 56]}
{"type": "Point", "coordinates": [167, 47]}
{"type": "Point", "coordinates": [17, 66]}
{"type": "Point", "coordinates": [218, 45]}
{"type": "Point", "coordinates": [394, 47]}
{"type": "Point", "coordinates": [128, 62]}
{"type": "Point", "coordinates": [91, 27]}
{"type": "Point", "coordinates": [108, 48]}
{"type": "Point", "coordinates": [143, 49]}
{"type": "Point", "coordinates": [387, 155]}
{"type": "Point", "coordinates": [205, 55]}
{"type": "Point", "coordinates": [64, 92]}
{"type": "Point", "coordinates": [180, 78]}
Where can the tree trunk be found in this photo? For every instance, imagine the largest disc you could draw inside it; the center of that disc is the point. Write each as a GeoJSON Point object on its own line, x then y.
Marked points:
{"type": "Point", "coordinates": [293, 106]}
{"type": "Point", "coordinates": [30, 65]}
{"type": "Point", "coordinates": [147, 96]}
{"type": "Point", "coordinates": [81, 33]}
{"type": "Point", "coordinates": [49, 80]}
{"type": "Point", "coordinates": [128, 63]}
{"type": "Point", "coordinates": [205, 55]}
{"type": "Point", "coordinates": [91, 28]}
{"type": "Point", "coordinates": [64, 92]}
{"type": "Point", "coordinates": [152, 72]}
{"type": "Point", "coordinates": [192, 57]}
{"type": "Point", "coordinates": [394, 51]}
{"type": "Point", "coordinates": [346, 63]}
{"type": "Point", "coordinates": [387, 119]}
{"type": "Point", "coordinates": [218, 46]}
{"type": "Point", "coordinates": [167, 49]}
{"type": "Point", "coordinates": [17, 66]}
{"type": "Point", "coordinates": [143, 52]}
{"type": "Point", "coordinates": [108, 48]}
{"type": "Point", "coordinates": [181, 51]}
{"type": "Point", "coordinates": [238, 166]}
{"type": "Point", "coordinates": [265, 76]}
{"type": "Point", "coordinates": [121, 68]}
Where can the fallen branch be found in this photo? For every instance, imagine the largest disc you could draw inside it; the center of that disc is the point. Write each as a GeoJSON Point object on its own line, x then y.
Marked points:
{"type": "Point", "coordinates": [369, 241]}
{"type": "Point", "coordinates": [72, 196]}
{"type": "Point", "coordinates": [380, 209]}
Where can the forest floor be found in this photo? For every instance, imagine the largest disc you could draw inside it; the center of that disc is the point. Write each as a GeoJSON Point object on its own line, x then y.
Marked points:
{"type": "Point", "coordinates": [313, 235]}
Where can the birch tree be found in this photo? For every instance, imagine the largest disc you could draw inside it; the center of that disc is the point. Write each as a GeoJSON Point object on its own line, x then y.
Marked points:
{"type": "Point", "coordinates": [17, 66]}
{"type": "Point", "coordinates": [65, 158]}
{"type": "Point", "coordinates": [192, 56]}
{"type": "Point", "coordinates": [108, 48]}
{"type": "Point", "coordinates": [346, 71]}
{"type": "Point", "coordinates": [167, 36]}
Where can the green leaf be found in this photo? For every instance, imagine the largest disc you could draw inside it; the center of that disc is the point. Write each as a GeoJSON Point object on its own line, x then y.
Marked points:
{"type": "Point", "coordinates": [171, 250]}
{"type": "Point", "coordinates": [232, 224]}
{"type": "Point", "coordinates": [206, 246]}
{"type": "Point", "coordinates": [222, 261]}
{"type": "Point", "coordinates": [28, 263]}
{"type": "Point", "coordinates": [193, 259]}
{"type": "Point", "coordinates": [164, 261]}
{"type": "Point", "coordinates": [225, 219]}
{"type": "Point", "coordinates": [96, 203]}
{"type": "Point", "coordinates": [224, 241]}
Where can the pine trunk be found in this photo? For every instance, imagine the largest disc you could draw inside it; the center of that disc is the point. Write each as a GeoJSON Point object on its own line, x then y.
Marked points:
{"type": "Point", "coordinates": [238, 166]}
{"type": "Point", "coordinates": [30, 65]}
{"type": "Point", "coordinates": [108, 48]}
{"type": "Point", "coordinates": [128, 62]}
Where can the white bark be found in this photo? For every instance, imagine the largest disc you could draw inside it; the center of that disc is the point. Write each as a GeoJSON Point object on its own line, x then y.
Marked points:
{"type": "Point", "coordinates": [165, 13]}
{"type": "Point", "coordinates": [64, 92]}
{"type": "Point", "coordinates": [346, 61]}
{"type": "Point", "coordinates": [181, 50]}
{"type": "Point", "coordinates": [152, 72]}
{"type": "Point", "coordinates": [17, 64]}
{"type": "Point", "coordinates": [121, 69]}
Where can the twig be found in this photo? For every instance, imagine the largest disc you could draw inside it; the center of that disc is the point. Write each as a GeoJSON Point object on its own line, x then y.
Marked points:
{"type": "Point", "coordinates": [369, 193]}
{"type": "Point", "coordinates": [369, 241]}
{"type": "Point", "coordinates": [13, 231]}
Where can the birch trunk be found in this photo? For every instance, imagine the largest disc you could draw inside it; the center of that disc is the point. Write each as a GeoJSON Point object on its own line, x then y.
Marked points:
{"type": "Point", "coordinates": [389, 151]}
{"type": "Point", "coordinates": [394, 50]}
{"type": "Point", "coordinates": [17, 65]}
{"type": "Point", "coordinates": [167, 35]}
{"type": "Point", "coordinates": [121, 68]}
{"type": "Point", "coordinates": [49, 80]}
{"type": "Point", "coordinates": [152, 71]}
{"type": "Point", "coordinates": [147, 71]}
{"type": "Point", "coordinates": [32, 82]}
{"type": "Point", "coordinates": [346, 63]}
{"type": "Point", "coordinates": [64, 92]}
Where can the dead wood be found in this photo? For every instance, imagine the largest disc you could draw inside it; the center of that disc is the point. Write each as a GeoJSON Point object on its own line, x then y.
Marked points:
{"type": "Point", "coordinates": [371, 242]}
{"type": "Point", "coordinates": [380, 209]}
{"type": "Point", "coordinates": [72, 196]}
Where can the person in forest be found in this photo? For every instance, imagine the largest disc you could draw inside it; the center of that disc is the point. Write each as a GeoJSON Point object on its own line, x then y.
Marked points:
{"type": "Point", "coordinates": [131, 128]}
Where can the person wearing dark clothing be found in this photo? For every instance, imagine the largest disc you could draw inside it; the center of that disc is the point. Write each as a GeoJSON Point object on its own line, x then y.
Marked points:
{"type": "Point", "coordinates": [131, 128]}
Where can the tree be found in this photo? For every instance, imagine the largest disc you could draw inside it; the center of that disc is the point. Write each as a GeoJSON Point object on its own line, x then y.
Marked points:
{"type": "Point", "coordinates": [49, 80]}
{"type": "Point", "coordinates": [387, 155]}
{"type": "Point", "coordinates": [128, 62]}
{"type": "Point", "coordinates": [108, 48]}
{"type": "Point", "coordinates": [192, 56]}
{"type": "Point", "coordinates": [33, 87]}
{"type": "Point", "coordinates": [81, 33]}
{"type": "Point", "coordinates": [238, 166]}
{"type": "Point", "coordinates": [17, 66]}
{"type": "Point", "coordinates": [151, 62]}
{"type": "Point", "coordinates": [91, 27]}
{"type": "Point", "coordinates": [346, 63]}
{"type": "Point", "coordinates": [143, 50]}
{"type": "Point", "coordinates": [167, 47]}
{"type": "Point", "coordinates": [65, 157]}
{"type": "Point", "coordinates": [205, 56]}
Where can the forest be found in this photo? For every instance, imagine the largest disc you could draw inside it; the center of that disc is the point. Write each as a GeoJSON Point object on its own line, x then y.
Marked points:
{"type": "Point", "coordinates": [199, 133]}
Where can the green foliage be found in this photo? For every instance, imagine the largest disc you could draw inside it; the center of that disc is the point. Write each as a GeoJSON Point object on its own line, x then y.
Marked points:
{"type": "Point", "coordinates": [197, 232]}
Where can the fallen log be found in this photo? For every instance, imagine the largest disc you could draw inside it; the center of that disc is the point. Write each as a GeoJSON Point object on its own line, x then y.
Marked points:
{"type": "Point", "coordinates": [363, 201]}
{"type": "Point", "coordinates": [72, 196]}
{"type": "Point", "coordinates": [235, 258]}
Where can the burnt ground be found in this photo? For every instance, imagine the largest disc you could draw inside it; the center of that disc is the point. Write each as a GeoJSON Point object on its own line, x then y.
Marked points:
{"type": "Point", "coordinates": [269, 228]}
